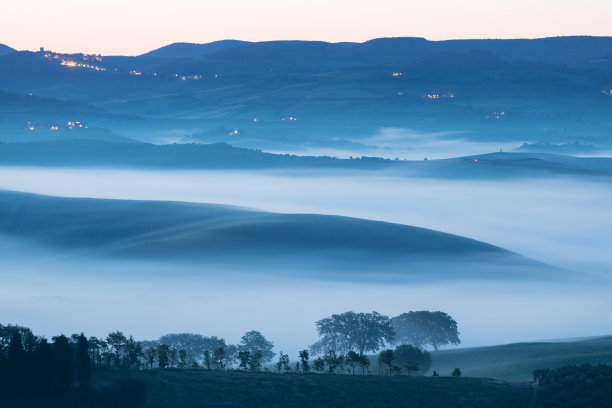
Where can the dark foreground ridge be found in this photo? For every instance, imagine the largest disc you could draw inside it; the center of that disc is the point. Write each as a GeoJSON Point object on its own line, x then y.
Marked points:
{"type": "Point", "coordinates": [516, 362]}
{"type": "Point", "coordinates": [269, 390]}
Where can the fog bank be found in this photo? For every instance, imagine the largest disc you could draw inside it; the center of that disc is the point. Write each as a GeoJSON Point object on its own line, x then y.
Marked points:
{"type": "Point", "coordinates": [561, 221]}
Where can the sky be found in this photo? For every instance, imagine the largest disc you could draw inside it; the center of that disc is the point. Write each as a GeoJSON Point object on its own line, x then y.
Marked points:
{"type": "Point", "coordinates": [113, 27]}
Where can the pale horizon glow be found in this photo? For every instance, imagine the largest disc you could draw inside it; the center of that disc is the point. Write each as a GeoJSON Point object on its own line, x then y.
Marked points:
{"type": "Point", "coordinates": [116, 27]}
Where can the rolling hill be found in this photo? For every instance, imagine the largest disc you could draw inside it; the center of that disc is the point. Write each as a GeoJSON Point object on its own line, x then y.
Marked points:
{"type": "Point", "coordinates": [385, 50]}
{"type": "Point", "coordinates": [190, 50]}
{"type": "Point", "coordinates": [236, 237]}
{"type": "Point", "coordinates": [516, 362]}
{"type": "Point", "coordinates": [5, 49]}
{"type": "Point", "coordinates": [295, 95]}
{"type": "Point", "coordinates": [97, 153]}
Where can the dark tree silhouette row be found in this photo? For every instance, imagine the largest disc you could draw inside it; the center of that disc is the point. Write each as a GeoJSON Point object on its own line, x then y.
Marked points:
{"type": "Point", "coordinates": [575, 386]}
{"type": "Point", "coordinates": [35, 372]}
{"type": "Point", "coordinates": [34, 366]}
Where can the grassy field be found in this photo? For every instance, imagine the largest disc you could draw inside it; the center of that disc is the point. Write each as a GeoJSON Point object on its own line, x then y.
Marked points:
{"type": "Point", "coordinates": [516, 362]}
{"type": "Point", "coordinates": [201, 388]}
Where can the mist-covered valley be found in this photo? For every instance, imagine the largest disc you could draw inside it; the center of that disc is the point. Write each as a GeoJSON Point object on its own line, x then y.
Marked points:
{"type": "Point", "coordinates": [196, 259]}
{"type": "Point", "coordinates": [186, 191]}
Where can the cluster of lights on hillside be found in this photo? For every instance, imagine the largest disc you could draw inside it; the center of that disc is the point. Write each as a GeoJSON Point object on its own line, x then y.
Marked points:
{"type": "Point", "coordinates": [436, 95]}
{"type": "Point", "coordinates": [88, 61]}
{"type": "Point", "coordinates": [71, 125]}
{"type": "Point", "coordinates": [496, 115]}
{"type": "Point", "coordinates": [190, 77]}
{"type": "Point", "coordinates": [289, 118]}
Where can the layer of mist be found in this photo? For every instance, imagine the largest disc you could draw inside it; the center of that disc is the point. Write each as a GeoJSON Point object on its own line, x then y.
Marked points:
{"type": "Point", "coordinates": [99, 297]}
{"type": "Point", "coordinates": [560, 221]}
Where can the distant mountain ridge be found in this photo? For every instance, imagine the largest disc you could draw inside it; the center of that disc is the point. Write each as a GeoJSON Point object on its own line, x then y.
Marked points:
{"type": "Point", "coordinates": [400, 48]}
{"type": "Point", "coordinates": [5, 49]}
{"type": "Point", "coordinates": [193, 50]}
{"type": "Point", "coordinates": [82, 153]}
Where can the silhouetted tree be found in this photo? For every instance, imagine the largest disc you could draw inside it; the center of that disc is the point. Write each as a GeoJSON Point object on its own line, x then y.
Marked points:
{"type": "Point", "coordinates": [331, 360]}
{"type": "Point", "coordinates": [360, 332]}
{"type": "Point", "coordinates": [408, 356]}
{"type": "Point", "coordinates": [193, 344]}
{"type": "Point", "coordinates": [253, 341]}
{"type": "Point", "coordinates": [283, 362]}
{"type": "Point", "coordinates": [231, 355]}
{"type": "Point", "coordinates": [255, 361]}
{"type": "Point", "coordinates": [304, 361]}
{"type": "Point", "coordinates": [364, 363]}
{"type": "Point", "coordinates": [150, 355]}
{"type": "Point", "coordinates": [207, 359]}
{"type": "Point", "coordinates": [319, 364]}
{"type": "Point", "coordinates": [96, 346]}
{"type": "Point", "coordinates": [44, 365]}
{"type": "Point", "coordinates": [83, 363]}
{"type": "Point", "coordinates": [163, 355]}
{"type": "Point", "coordinates": [425, 327]}
{"type": "Point", "coordinates": [132, 353]}
{"type": "Point", "coordinates": [183, 359]}
{"type": "Point", "coordinates": [456, 372]}
{"type": "Point", "coordinates": [244, 357]}
{"type": "Point", "coordinates": [385, 357]}
{"type": "Point", "coordinates": [352, 360]}
{"type": "Point", "coordinates": [116, 340]}
{"type": "Point", "coordinates": [63, 371]}
{"type": "Point", "coordinates": [173, 357]}
{"type": "Point", "coordinates": [16, 363]}
{"type": "Point", "coordinates": [218, 358]}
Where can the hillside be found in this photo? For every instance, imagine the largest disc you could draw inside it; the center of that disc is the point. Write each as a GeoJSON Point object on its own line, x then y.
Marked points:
{"type": "Point", "coordinates": [299, 95]}
{"type": "Point", "coordinates": [516, 362]}
{"type": "Point", "coordinates": [238, 238]}
{"type": "Point", "coordinates": [103, 154]}
{"type": "Point", "coordinates": [5, 49]}
{"type": "Point", "coordinates": [190, 50]}
{"type": "Point", "coordinates": [574, 48]}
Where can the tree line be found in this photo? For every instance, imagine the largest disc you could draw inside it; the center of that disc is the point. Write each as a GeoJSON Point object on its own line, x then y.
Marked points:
{"type": "Point", "coordinates": [29, 362]}
{"type": "Point", "coordinates": [572, 386]}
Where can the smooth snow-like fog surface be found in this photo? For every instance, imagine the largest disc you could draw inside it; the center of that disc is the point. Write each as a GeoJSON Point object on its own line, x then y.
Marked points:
{"type": "Point", "coordinates": [285, 310]}
{"type": "Point", "coordinates": [562, 221]}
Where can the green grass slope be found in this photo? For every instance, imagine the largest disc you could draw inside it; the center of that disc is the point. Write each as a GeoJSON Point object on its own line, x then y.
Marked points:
{"type": "Point", "coordinates": [516, 362]}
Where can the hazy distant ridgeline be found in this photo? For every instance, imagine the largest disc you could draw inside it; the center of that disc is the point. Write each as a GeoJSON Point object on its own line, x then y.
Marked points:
{"type": "Point", "coordinates": [95, 153]}
{"type": "Point", "coordinates": [205, 233]}
{"type": "Point", "coordinates": [285, 94]}
{"type": "Point", "coordinates": [5, 49]}
{"type": "Point", "coordinates": [191, 50]}
{"type": "Point", "coordinates": [391, 49]}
